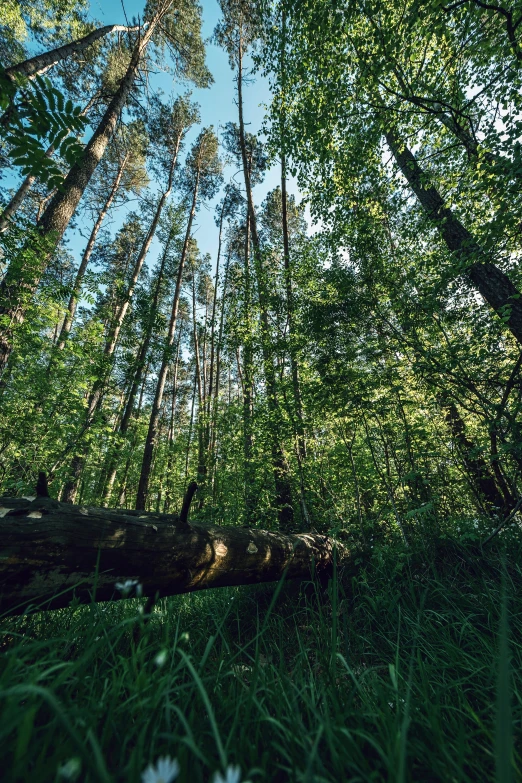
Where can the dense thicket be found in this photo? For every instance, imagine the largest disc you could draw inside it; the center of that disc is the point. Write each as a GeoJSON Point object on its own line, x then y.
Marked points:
{"type": "Point", "coordinates": [361, 378]}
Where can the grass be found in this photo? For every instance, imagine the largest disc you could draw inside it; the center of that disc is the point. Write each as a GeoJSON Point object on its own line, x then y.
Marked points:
{"type": "Point", "coordinates": [407, 668]}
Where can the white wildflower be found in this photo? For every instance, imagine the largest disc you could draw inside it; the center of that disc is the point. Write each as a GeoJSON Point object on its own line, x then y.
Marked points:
{"type": "Point", "coordinates": [126, 587]}
{"type": "Point", "coordinates": [232, 775]}
{"type": "Point", "coordinates": [161, 658]}
{"type": "Point", "coordinates": [71, 769]}
{"type": "Point", "coordinates": [165, 771]}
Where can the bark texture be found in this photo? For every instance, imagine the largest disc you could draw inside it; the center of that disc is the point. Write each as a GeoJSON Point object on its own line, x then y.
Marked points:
{"type": "Point", "coordinates": [53, 551]}
{"type": "Point", "coordinates": [42, 62]}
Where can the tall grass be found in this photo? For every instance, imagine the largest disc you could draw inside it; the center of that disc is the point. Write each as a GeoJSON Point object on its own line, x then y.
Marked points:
{"type": "Point", "coordinates": [406, 668]}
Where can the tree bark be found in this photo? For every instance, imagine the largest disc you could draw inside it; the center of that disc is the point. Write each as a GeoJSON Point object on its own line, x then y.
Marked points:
{"type": "Point", "coordinates": [42, 62]}
{"type": "Point", "coordinates": [16, 202]}
{"type": "Point", "coordinates": [57, 552]}
{"type": "Point", "coordinates": [494, 285]}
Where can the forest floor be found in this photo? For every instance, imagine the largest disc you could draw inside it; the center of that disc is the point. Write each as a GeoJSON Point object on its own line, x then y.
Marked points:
{"type": "Point", "coordinates": [407, 668]}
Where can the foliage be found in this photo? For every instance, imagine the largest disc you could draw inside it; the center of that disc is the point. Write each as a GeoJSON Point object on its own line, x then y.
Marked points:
{"type": "Point", "coordinates": [349, 353]}
{"type": "Point", "coordinates": [37, 117]}
{"type": "Point", "coordinates": [392, 673]}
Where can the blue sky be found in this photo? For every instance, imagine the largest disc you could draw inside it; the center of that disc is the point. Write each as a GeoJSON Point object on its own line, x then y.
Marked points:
{"type": "Point", "coordinates": [218, 107]}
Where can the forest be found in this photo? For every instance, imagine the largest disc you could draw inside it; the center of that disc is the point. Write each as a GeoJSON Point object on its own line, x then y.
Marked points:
{"type": "Point", "coordinates": [260, 330]}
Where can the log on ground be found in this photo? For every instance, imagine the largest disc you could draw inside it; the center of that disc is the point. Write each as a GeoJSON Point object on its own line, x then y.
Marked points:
{"type": "Point", "coordinates": [51, 552]}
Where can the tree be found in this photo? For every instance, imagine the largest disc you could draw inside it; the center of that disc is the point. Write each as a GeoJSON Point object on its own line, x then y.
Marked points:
{"type": "Point", "coordinates": [22, 278]}
{"type": "Point", "coordinates": [236, 33]}
{"type": "Point", "coordinates": [202, 178]}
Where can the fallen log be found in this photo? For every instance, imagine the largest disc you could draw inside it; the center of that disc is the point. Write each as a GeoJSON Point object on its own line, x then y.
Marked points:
{"type": "Point", "coordinates": [52, 552]}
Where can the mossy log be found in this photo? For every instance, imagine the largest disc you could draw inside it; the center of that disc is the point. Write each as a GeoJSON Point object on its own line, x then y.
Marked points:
{"type": "Point", "coordinates": [52, 552]}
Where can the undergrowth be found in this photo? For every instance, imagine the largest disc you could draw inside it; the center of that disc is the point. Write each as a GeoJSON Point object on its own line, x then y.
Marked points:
{"type": "Point", "coordinates": [407, 667]}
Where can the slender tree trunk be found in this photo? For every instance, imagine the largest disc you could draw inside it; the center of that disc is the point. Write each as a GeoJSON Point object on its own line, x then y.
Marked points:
{"type": "Point", "coordinates": [143, 487]}
{"type": "Point", "coordinates": [247, 380]}
{"type": "Point", "coordinates": [16, 202]}
{"type": "Point", "coordinates": [216, 386]}
{"type": "Point", "coordinates": [290, 307]}
{"type": "Point", "coordinates": [189, 439]}
{"type": "Point", "coordinates": [481, 477]}
{"type": "Point", "coordinates": [214, 307]}
{"type": "Point", "coordinates": [22, 277]}
{"type": "Point", "coordinates": [494, 285]}
{"type": "Point", "coordinates": [123, 307]}
{"type": "Point", "coordinates": [170, 439]}
{"type": "Point", "coordinates": [280, 468]}
{"type": "Point", "coordinates": [75, 294]}
{"type": "Point", "coordinates": [200, 375]}
{"type": "Point", "coordinates": [209, 411]}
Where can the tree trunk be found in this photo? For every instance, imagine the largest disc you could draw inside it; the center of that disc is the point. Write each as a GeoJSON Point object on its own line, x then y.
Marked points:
{"type": "Point", "coordinates": [75, 294]}
{"type": "Point", "coordinates": [16, 202]}
{"type": "Point", "coordinates": [283, 489]}
{"type": "Point", "coordinates": [23, 275]}
{"type": "Point", "coordinates": [215, 389]}
{"type": "Point", "coordinates": [200, 375]}
{"type": "Point", "coordinates": [479, 472]}
{"type": "Point", "coordinates": [42, 62]}
{"type": "Point", "coordinates": [494, 285]}
{"type": "Point", "coordinates": [170, 437]}
{"type": "Point", "coordinates": [58, 552]}
{"type": "Point", "coordinates": [247, 382]}
{"type": "Point", "coordinates": [143, 487]}
{"type": "Point", "coordinates": [124, 306]}
{"type": "Point", "coordinates": [95, 397]}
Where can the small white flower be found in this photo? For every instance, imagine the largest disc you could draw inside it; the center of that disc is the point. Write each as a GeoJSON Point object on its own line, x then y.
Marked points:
{"type": "Point", "coordinates": [161, 658]}
{"type": "Point", "coordinates": [232, 775]}
{"type": "Point", "coordinates": [126, 587]}
{"type": "Point", "coordinates": [71, 769]}
{"type": "Point", "coordinates": [165, 771]}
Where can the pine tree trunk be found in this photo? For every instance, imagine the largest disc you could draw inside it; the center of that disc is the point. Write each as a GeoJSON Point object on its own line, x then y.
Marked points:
{"type": "Point", "coordinates": [143, 487]}
{"type": "Point", "coordinates": [202, 467]}
{"type": "Point", "coordinates": [42, 62]}
{"type": "Point", "coordinates": [247, 382]}
{"type": "Point", "coordinates": [75, 294]}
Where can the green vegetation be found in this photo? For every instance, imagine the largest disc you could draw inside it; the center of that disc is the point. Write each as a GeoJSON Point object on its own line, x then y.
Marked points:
{"type": "Point", "coordinates": [392, 672]}
{"type": "Point", "coordinates": [345, 361]}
